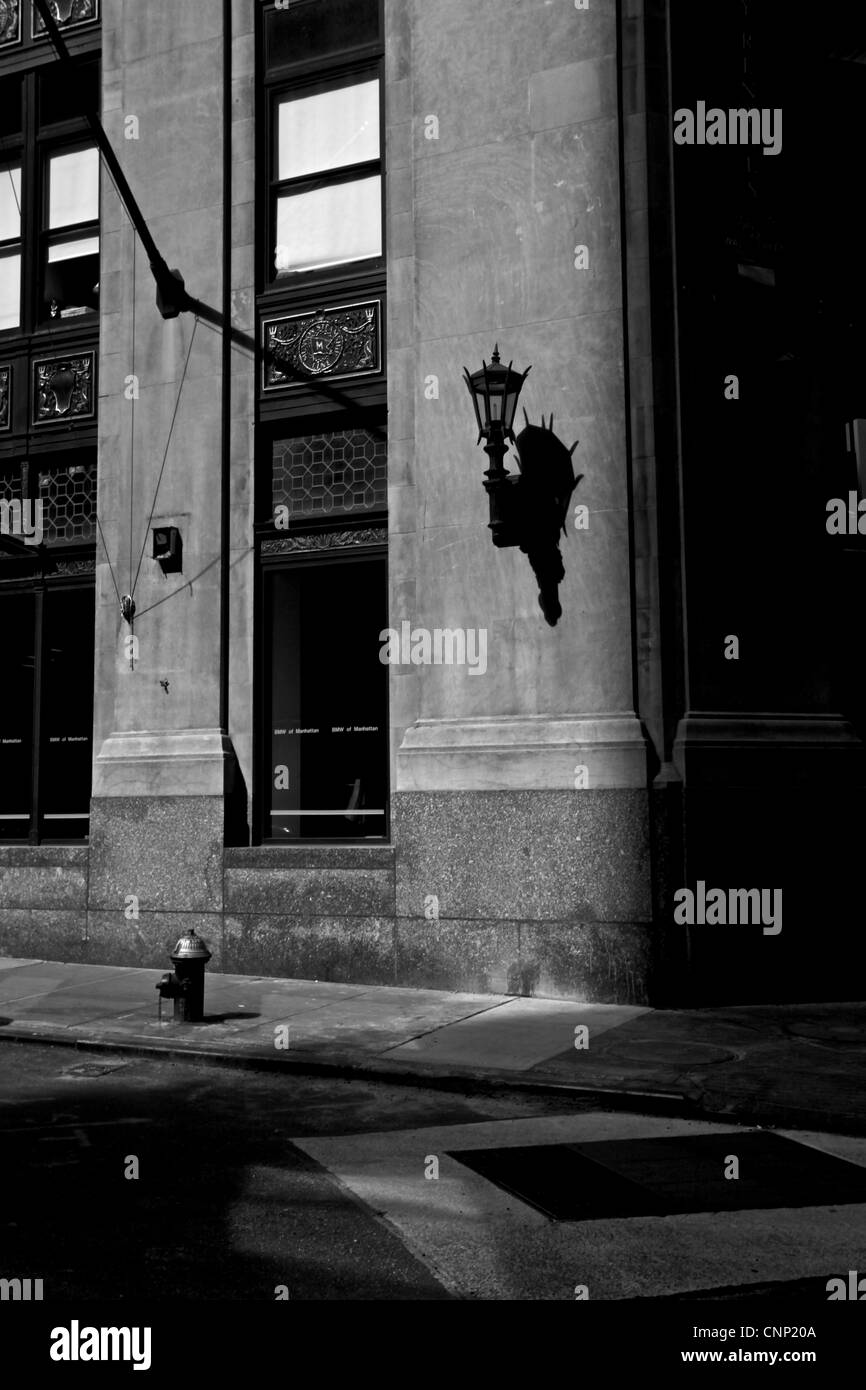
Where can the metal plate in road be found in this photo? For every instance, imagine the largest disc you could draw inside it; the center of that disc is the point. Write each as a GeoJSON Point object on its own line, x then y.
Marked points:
{"type": "Point", "coordinates": [668, 1176]}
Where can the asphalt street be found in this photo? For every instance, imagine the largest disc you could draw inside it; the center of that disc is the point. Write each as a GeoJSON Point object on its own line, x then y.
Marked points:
{"type": "Point", "coordinates": [225, 1205]}
{"type": "Point", "coordinates": [144, 1179]}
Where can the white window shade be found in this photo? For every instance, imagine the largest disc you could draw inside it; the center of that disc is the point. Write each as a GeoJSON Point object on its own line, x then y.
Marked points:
{"type": "Point", "coordinates": [331, 225]}
{"type": "Point", "coordinates": [73, 188]}
{"type": "Point", "coordinates": [10, 291]}
{"type": "Point", "coordinates": [328, 130]}
{"type": "Point", "coordinates": [10, 203]}
{"type": "Point", "coordinates": [71, 250]}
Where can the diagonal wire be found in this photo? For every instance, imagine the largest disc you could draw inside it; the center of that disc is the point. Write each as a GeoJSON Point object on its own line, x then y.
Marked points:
{"type": "Point", "coordinates": [165, 455]}
{"type": "Point", "coordinates": [108, 557]}
{"type": "Point", "coordinates": [9, 169]}
{"type": "Point", "coordinates": [132, 425]}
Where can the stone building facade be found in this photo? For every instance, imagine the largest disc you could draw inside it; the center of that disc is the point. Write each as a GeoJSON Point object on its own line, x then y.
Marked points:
{"type": "Point", "coordinates": [361, 198]}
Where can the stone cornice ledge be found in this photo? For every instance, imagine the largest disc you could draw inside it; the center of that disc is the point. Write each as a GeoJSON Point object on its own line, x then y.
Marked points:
{"type": "Point", "coordinates": [163, 762]}
{"type": "Point", "coordinates": [523, 752]}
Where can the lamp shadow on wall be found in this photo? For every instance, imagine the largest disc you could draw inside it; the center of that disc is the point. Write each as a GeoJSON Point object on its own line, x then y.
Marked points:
{"type": "Point", "coordinates": [539, 504]}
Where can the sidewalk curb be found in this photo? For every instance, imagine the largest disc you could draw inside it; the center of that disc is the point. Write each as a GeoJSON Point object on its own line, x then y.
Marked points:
{"type": "Point", "coordinates": [348, 1066]}
{"type": "Point", "coordinates": [468, 1080]}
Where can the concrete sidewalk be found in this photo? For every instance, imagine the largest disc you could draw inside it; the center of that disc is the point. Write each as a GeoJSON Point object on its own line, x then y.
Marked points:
{"type": "Point", "coordinates": [793, 1065]}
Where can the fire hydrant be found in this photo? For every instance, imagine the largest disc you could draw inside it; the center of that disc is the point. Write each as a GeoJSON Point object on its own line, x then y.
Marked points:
{"type": "Point", "coordinates": [186, 985]}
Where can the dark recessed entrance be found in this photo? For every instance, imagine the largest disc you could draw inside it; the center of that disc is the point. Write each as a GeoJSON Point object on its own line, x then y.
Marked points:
{"type": "Point", "coordinates": [667, 1177]}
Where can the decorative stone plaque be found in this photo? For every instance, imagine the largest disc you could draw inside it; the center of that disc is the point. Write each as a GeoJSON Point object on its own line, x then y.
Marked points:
{"type": "Point", "coordinates": [67, 14]}
{"type": "Point", "coordinates": [10, 22]}
{"type": "Point", "coordinates": [63, 389]}
{"type": "Point", "coordinates": [327, 344]}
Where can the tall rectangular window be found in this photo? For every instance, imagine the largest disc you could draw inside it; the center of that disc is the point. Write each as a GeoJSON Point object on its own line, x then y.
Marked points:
{"type": "Point", "coordinates": [71, 237]}
{"type": "Point", "coordinates": [10, 245]}
{"type": "Point", "coordinates": [46, 713]}
{"type": "Point", "coordinates": [47, 532]}
{"type": "Point", "coordinates": [327, 177]}
{"type": "Point", "coordinates": [49, 196]}
{"type": "Point", "coordinates": [49, 280]}
{"type": "Point", "coordinates": [327, 700]}
{"type": "Point", "coordinates": [322, 475]}
{"type": "Point", "coordinates": [66, 715]}
{"type": "Point", "coordinates": [16, 716]}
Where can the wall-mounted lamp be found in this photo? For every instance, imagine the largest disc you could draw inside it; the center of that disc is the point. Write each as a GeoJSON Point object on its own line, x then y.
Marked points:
{"type": "Point", "coordinates": [528, 510]}
{"type": "Point", "coordinates": [495, 391]}
{"type": "Point", "coordinates": [168, 548]}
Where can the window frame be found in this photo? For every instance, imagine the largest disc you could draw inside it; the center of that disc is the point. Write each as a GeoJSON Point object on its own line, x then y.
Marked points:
{"type": "Point", "coordinates": [31, 147]}
{"type": "Point", "coordinates": [45, 121]}
{"type": "Point", "coordinates": [47, 236]}
{"type": "Point", "coordinates": [40, 586]}
{"type": "Point", "coordinates": [9, 246]}
{"type": "Point", "coordinates": [359, 403]}
{"type": "Point", "coordinates": [273, 291]}
{"type": "Point", "coordinates": [266, 565]}
{"type": "Point", "coordinates": [334, 78]}
{"type": "Point", "coordinates": [45, 570]}
{"type": "Point", "coordinates": [370, 418]}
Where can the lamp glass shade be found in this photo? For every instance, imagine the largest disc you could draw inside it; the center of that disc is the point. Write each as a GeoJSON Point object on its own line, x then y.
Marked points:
{"type": "Point", "coordinates": [477, 399]}
{"type": "Point", "coordinates": [495, 391]}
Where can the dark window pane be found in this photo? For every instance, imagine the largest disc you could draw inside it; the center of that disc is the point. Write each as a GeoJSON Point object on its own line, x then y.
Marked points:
{"type": "Point", "coordinates": [319, 28]}
{"type": "Point", "coordinates": [67, 714]}
{"type": "Point", "coordinates": [330, 474]}
{"type": "Point", "coordinates": [64, 95]}
{"type": "Point", "coordinates": [16, 715]}
{"type": "Point", "coordinates": [327, 734]}
{"type": "Point", "coordinates": [11, 113]}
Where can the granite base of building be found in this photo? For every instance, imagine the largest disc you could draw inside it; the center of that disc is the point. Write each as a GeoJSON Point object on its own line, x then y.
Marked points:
{"type": "Point", "coordinates": [526, 893]}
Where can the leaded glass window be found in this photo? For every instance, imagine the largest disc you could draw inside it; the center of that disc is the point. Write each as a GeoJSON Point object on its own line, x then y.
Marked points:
{"type": "Point", "coordinates": [330, 474]}
{"type": "Point", "coordinates": [53, 503]}
{"type": "Point", "coordinates": [68, 496]}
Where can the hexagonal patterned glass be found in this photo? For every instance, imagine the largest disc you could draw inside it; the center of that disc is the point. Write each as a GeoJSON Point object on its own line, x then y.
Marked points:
{"type": "Point", "coordinates": [11, 486]}
{"type": "Point", "coordinates": [330, 474]}
{"type": "Point", "coordinates": [68, 496]}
